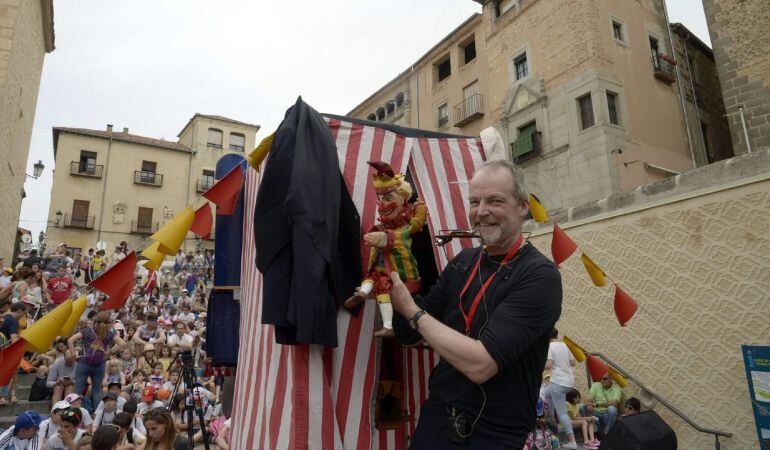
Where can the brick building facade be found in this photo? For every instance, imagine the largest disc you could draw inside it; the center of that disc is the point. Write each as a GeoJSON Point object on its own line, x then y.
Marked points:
{"type": "Point", "coordinates": [739, 35]}
{"type": "Point", "coordinates": [26, 35]}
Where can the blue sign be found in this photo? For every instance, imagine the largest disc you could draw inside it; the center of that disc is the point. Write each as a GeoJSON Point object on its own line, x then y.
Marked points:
{"type": "Point", "coordinates": [757, 361]}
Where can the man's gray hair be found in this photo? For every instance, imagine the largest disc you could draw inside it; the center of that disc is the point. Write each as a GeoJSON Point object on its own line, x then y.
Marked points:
{"type": "Point", "coordinates": [520, 191]}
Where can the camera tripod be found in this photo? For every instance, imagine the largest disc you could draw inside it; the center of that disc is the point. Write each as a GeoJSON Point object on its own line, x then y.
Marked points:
{"type": "Point", "coordinates": [189, 378]}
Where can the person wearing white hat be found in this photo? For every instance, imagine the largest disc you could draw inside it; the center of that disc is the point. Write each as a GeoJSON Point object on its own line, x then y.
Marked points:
{"type": "Point", "coordinates": [5, 277]}
{"type": "Point", "coordinates": [50, 426]}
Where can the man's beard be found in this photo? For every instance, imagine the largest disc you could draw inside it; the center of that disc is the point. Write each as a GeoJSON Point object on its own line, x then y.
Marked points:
{"type": "Point", "coordinates": [491, 235]}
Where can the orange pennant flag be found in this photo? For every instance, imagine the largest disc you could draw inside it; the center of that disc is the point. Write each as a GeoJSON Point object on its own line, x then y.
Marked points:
{"type": "Point", "coordinates": [562, 246]}
{"type": "Point", "coordinates": [118, 299]}
{"type": "Point", "coordinates": [113, 280]}
{"type": "Point", "coordinates": [203, 221]}
{"type": "Point", "coordinates": [596, 274]}
{"type": "Point", "coordinates": [11, 358]}
{"type": "Point", "coordinates": [625, 306]}
{"type": "Point", "coordinates": [596, 367]}
{"type": "Point", "coordinates": [225, 192]}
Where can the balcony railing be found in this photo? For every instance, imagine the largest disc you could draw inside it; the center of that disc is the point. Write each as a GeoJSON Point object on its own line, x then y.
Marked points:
{"type": "Point", "coordinates": [86, 169]}
{"type": "Point", "coordinates": [527, 146]}
{"type": "Point", "coordinates": [84, 222]}
{"type": "Point", "coordinates": [148, 178]}
{"type": "Point", "coordinates": [469, 109]}
{"type": "Point", "coordinates": [143, 228]}
{"type": "Point", "coordinates": [663, 70]}
{"type": "Point", "coordinates": [203, 185]}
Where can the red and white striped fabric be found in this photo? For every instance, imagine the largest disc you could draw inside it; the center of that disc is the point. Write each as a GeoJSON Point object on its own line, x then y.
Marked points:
{"type": "Point", "coordinates": [312, 397]}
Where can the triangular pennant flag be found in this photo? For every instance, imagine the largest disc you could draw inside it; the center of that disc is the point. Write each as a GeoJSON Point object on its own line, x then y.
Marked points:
{"type": "Point", "coordinates": [154, 256]}
{"type": "Point", "coordinates": [620, 380]}
{"type": "Point", "coordinates": [225, 192]}
{"type": "Point", "coordinates": [78, 306]}
{"type": "Point", "coordinates": [171, 237]}
{"type": "Point", "coordinates": [256, 157]}
{"type": "Point", "coordinates": [11, 358]}
{"type": "Point", "coordinates": [203, 222]}
{"type": "Point", "coordinates": [562, 246]}
{"type": "Point", "coordinates": [596, 274]}
{"type": "Point", "coordinates": [118, 300]}
{"type": "Point", "coordinates": [41, 334]}
{"type": "Point", "coordinates": [625, 306]}
{"type": "Point", "coordinates": [596, 367]}
{"type": "Point", "coordinates": [576, 350]}
{"type": "Point", "coordinates": [116, 276]}
{"type": "Point", "coordinates": [537, 209]}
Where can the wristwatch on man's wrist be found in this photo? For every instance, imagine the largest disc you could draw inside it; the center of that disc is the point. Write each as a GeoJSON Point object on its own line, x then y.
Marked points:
{"type": "Point", "coordinates": [415, 318]}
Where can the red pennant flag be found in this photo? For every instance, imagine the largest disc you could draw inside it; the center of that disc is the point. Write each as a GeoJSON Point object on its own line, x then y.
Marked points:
{"type": "Point", "coordinates": [118, 299]}
{"type": "Point", "coordinates": [11, 358]}
{"type": "Point", "coordinates": [562, 246]}
{"type": "Point", "coordinates": [203, 221]}
{"type": "Point", "coordinates": [596, 367]}
{"type": "Point", "coordinates": [113, 280]}
{"type": "Point", "coordinates": [625, 306]}
{"type": "Point", "coordinates": [225, 192]}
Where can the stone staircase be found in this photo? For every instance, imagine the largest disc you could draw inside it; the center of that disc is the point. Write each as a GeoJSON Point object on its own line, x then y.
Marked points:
{"type": "Point", "coordinates": [9, 412]}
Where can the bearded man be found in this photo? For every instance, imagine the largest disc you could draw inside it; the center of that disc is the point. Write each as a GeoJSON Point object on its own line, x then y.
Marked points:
{"type": "Point", "coordinates": [490, 317]}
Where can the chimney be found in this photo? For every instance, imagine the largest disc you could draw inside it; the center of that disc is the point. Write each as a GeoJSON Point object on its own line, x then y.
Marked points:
{"type": "Point", "coordinates": [125, 129]}
{"type": "Point", "coordinates": [109, 127]}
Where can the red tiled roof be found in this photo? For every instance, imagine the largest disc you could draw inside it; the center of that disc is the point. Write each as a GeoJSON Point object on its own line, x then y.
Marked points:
{"type": "Point", "coordinates": [118, 136]}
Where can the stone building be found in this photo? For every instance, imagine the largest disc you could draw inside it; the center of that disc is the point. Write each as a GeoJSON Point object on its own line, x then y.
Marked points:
{"type": "Point", "coordinates": [739, 34]}
{"type": "Point", "coordinates": [584, 92]}
{"type": "Point", "coordinates": [26, 35]}
{"type": "Point", "coordinates": [114, 186]}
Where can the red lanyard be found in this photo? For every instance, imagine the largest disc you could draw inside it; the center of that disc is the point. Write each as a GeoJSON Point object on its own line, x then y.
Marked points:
{"type": "Point", "coordinates": [476, 270]}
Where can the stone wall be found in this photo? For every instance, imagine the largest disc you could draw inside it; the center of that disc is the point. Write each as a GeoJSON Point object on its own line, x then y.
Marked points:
{"type": "Point", "coordinates": [22, 49]}
{"type": "Point", "coordinates": [738, 30]}
{"type": "Point", "coordinates": [694, 252]}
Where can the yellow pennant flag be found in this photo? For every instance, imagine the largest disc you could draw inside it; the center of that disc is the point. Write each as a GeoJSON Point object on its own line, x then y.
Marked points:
{"type": "Point", "coordinates": [576, 350]}
{"type": "Point", "coordinates": [620, 380]}
{"type": "Point", "coordinates": [154, 256]}
{"type": "Point", "coordinates": [596, 274]}
{"type": "Point", "coordinates": [41, 334]}
{"type": "Point", "coordinates": [537, 209]}
{"type": "Point", "coordinates": [256, 157]}
{"type": "Point", "coordinates": [172, 235]}
{"type": "Point", "coordinates": [78, 306]}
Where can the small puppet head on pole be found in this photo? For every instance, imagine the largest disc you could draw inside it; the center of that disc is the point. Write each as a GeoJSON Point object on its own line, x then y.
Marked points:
{"type": "Point", "coordinates": [390, 242]}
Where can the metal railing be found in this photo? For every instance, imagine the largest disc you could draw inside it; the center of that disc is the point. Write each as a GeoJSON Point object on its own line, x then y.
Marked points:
{"type": "Point", "coordinates": [469, 109]}
{"type": "Point", "coordinates": [663, 70]}
{"type": "Point", "coordinates": [669, 406]}
{"type": "Point", "coordinates": [86, 169]}
{"type": "Point", "coordinates": [85, 222]}
{"type": "Point", "coordinates": [203, 185]}
{"type": "Point", "coordinates": [148, 178]}
{"type": "Point", "coordinates": [143, 228]}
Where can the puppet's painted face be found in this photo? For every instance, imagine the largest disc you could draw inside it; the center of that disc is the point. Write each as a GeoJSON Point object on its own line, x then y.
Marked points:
{"type": "Point", "coordinates": [390, 205]}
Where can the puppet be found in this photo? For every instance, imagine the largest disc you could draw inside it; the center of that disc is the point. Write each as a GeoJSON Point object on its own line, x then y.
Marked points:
{"type": "Point", "coordinates": [390, 242]}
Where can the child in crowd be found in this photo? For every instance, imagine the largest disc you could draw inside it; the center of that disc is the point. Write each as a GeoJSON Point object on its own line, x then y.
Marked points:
{"type": "Point", "coordinates": [128, 434]}
{"type": "Point", "coordinates": [50, 426]}
{"type": "Point", "coordinates": [134, 390]}
{"type": "Point", "coordinates": [166, 356]}
{"type": "Point", "coordinates": [539, 438]}
{"type": "Point", "coordinates": [128, 363]}
{"type": "Point", "coordinates": [106, 414]}
{"type": "Point", "coordinates": [149, 401]}
{"type": "Point", "coordinates": [584, 423]}
{"type": "Point", "coordinates": [113, 374]}
{"type": "Point", "coordinates": [156, 377]}
{"type": "Point", "coordinates": [69, 434]}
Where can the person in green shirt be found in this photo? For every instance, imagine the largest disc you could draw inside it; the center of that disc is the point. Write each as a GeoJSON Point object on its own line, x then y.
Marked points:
{"type": "Point", "coordinates": [603, 401]}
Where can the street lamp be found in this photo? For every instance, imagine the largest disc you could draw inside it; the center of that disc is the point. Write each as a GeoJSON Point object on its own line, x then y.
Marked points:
{"type": "Point", "coordinates": [37, 170]}
{"type": "Point", "coordinates": [58, 217]}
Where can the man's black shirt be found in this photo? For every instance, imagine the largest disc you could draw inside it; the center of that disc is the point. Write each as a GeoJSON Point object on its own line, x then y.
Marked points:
{"type": "Point", "coordinates": [514, 322]}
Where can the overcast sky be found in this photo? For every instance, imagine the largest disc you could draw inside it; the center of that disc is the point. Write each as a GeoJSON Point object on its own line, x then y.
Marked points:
{"type": "Point", "coordinates": [150, 65]}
